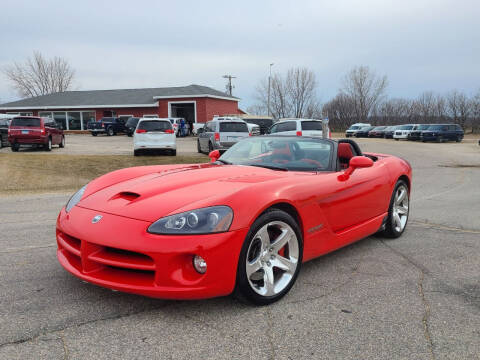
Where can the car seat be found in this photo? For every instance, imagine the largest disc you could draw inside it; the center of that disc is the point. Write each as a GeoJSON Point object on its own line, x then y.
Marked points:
{"type": "Point", "coordinates": [345, 153]}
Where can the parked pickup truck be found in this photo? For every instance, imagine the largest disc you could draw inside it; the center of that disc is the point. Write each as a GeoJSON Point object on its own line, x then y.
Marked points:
{"type": "Point", "coordinates": [108, 125]}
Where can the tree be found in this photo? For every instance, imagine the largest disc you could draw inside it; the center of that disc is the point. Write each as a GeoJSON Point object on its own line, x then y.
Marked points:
{"type": "Point", "coordinates": [459, 107]}
{"type": "Point", "coordinates": [365, 89]}
{"type": "Point", "coordinates": [40, 76]}
{"type": "Point", "coordinates": [340, 112]}
{"type": "Point", "coordinates": [291, 96]}
{"type": "Point", "coordinates": [475, 106]}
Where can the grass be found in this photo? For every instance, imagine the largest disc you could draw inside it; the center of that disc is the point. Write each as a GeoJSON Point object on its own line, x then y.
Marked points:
{"type": "Point", "coordinates": [37, 173]}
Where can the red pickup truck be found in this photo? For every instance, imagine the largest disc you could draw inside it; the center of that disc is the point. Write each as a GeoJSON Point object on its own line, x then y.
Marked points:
{"type": "Point", "coordinates": [35, 131]}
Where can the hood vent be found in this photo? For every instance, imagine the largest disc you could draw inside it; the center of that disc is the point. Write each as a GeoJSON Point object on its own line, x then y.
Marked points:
{"type": "Point", "coordinates": [126, 195]}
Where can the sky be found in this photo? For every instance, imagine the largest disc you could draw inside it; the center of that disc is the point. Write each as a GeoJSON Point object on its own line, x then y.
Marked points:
{"type": "Point", "coordinates": [421, 45]}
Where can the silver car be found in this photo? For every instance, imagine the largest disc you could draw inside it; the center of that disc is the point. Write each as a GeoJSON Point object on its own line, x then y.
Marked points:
{"type": "Point", "coordinates": [221, 133]}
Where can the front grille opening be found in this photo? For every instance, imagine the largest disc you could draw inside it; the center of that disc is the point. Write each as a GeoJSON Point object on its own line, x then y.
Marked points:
{"type": "Point", "coordinates": [139, 256]}
{"type": "Point", "coordinates": [132, 271]}
{"type": "Point", "coordinates": [73, 242]}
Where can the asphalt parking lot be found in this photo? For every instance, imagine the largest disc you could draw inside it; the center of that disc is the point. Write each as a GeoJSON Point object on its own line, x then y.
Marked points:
{"type": "Point", "coordinates": [416, 297]}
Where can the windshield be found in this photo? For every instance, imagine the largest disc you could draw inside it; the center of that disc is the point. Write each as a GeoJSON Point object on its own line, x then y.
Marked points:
{"type": "Point", "coordinates": [405, 127]}
{"type": "Point", "coordinates": [354, 127]}
{"type": "Point", "coordinates": [29, 122]}
{"type": "Point", "coordinates": [367, 128]}
{"type": "Point", "coordinates": [282, 153]}
{"type": "Point", "coordinates": [155, 125]}
{"type": "Point", "coordinates": [380, 128]}
{"type": "Point", "coordinates": [233, 127]}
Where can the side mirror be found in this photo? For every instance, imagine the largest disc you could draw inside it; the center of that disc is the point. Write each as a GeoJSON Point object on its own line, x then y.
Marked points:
{"type": "Point", "coordinates": [214, 155]}
{"type": "Point", "coordinates": [356, 162]}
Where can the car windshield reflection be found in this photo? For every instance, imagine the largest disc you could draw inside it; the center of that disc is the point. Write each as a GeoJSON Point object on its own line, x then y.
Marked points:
{"type": "Point", "coordinates": [281, 153]}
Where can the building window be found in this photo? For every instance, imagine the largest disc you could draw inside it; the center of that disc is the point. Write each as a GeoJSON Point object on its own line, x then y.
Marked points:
{"type": "Point", "coordinates": [47, 114]}
{"type": "Point", "coordinates": [87, 116]}
{"type": "Point", "coordinates": [74, 120]}
{"type": "Point", "coordinates": [150, 115]}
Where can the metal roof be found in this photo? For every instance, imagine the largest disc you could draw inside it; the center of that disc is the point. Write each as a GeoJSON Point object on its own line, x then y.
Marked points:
{"type": "Point", "coordinates": [111, 98]}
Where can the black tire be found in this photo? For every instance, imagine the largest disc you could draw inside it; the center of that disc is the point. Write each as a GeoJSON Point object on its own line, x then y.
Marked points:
{"type": "Point", "coordinates": [439, 139]}
{"type": "Point", "coordinates": [62, 142]}
{"type": "Point", "coordinates": [173, 153]}
{"type": "Point", "coordinates": [210, 147]}
{"type": "Point", "coordinates": [48, 145]}
{"type": "Point", "coordinates": [243, 288]}
{"type": "Point", "coordinates": [458, 139]}
{"type": "Point", "coordinates": [136, 152]}
{"type": "Point", "coordinates": [15, 147]}
{"type": "Point", "coordinates": [110, 131]}
{"type": "Point", "coordinates": [199, 149]}
{"type": "Point", "coordinates": [129, 134]}
{"type": "Point", "coordinates": [390, 229]}
{"type": "Point", "coordinates": [94, 133]}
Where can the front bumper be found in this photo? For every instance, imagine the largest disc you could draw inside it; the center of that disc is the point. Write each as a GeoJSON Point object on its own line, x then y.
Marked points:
{"type": "Point", "coordinates": [119, 254]}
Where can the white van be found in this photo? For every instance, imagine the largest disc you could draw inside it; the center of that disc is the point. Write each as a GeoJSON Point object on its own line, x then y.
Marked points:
{"type": "Point", "coordinates": [299, 127]}
{"type": "Point", "coordinates": [154, 133]}
{"type": "Point", "coordinates": [354, 128]}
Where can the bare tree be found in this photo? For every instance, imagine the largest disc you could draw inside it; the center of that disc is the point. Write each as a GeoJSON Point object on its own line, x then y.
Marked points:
{"type": "Point", "coordinates": [300, 85]}
{"type": "Point", "coordinates": [340, 111]}
{"type": "Point", "coordinates": [459, 107]}
{"type": "Point", "coordinates": [475, 112]}
{"type": "Point", "coordinates": [426, 104]}
{"type": "Point", "coordinates": [292, 96]}
{"type": "Point", "coordinates": [365, 89]}
{"type": "Point", "coordinates": [40, 76]}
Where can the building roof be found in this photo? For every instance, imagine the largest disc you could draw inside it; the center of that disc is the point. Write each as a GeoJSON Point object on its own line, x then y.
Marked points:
{"type": "Point", "coordinates": [111, 98]}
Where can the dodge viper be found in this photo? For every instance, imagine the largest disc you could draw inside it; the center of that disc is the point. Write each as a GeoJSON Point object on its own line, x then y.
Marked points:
{"type": "Point", "coordinates": [243, 223]}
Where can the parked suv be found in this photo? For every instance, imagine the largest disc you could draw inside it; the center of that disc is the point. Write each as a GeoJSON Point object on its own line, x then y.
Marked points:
{"type": "Point", "coordinates": [107, 125]}
{"type": "Point", "coordinates": [402, 131]}
{"type": "Point", "coordinates": [131, 125]}
{"type": "Point", "coordinates": [443, 132]}
{"type": "Point", "coordinates": [417, 133]}
{"type": "Point", "coordinates": [35, 131]}
{"type": "Point", "coordinates": [263, 123]}
{"type": "Point", "coordinates": [299, 127]}
{"type": "Point", "coordinates": [221, 133]}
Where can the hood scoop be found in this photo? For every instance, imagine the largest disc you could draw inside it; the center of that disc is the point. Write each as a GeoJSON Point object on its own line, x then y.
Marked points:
{"type": "Point", "coordinates": [125, 195]}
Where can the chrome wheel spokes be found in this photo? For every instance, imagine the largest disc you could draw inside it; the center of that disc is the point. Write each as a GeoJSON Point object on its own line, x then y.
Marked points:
{"type": "Point", "coordinates": [400, 208]}
{"type": "Point", "coordinates": [272, 258]}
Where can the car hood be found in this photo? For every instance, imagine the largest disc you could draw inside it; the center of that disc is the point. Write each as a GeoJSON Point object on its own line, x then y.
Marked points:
{"type": "Point", "coordinates": [160, 193]}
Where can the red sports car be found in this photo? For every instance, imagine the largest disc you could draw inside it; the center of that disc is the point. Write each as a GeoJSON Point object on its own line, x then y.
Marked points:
{"type": "Point", "coordinates": [243, 223]}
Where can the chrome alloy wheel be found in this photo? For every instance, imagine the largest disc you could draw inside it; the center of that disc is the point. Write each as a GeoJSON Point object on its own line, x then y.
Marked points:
{"type": "Point", "coordinates": [400, 208]}
{"type": "Point", "coordinates": [272, 258]}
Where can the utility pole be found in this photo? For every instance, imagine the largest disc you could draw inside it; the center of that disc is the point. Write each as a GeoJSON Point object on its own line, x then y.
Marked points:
{"type": "Point", "coordinates": [229, 85]}
{"type": "Point", "coordinates": [269, 81]}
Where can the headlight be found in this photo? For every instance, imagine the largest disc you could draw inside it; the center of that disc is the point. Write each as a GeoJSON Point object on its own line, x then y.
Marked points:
{"type": "Point", "coordinates": [208, 220]}
{"type": "Point", "coordinates": [74, 200]}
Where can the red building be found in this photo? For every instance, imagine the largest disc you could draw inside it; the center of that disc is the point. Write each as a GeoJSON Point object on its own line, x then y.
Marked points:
{"type": "Point", "coordinates": [74, 109]}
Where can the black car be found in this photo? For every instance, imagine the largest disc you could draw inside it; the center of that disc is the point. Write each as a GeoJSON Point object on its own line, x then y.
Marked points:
{"type": "Point", "coordinates": [363, 132]}
{"type": "Point", "coordinates": [131, 125]}
{"type": "Point", "coordinates": [264, 124]}
{"type": "Point", "coordinates": [108, 125]}
{"type": "Point", "coordinates": [416, 134]}
{"type": "Point", "coordinates": [389, 131]}
{"type": "Point", "coordinates": [377, 132]}
{"type": "Point", "coordinates": [4, 124]}
{"type": "Point", "coordinates": [443, 132]}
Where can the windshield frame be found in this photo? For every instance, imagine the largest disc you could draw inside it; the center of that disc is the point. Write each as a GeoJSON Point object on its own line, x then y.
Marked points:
{"type": "Point", "coordinates": [332, 163]}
